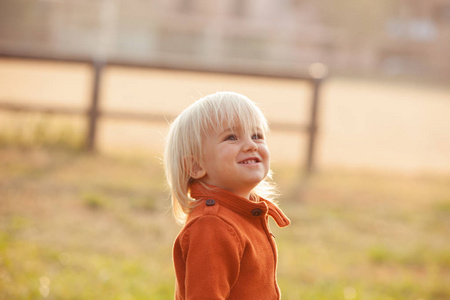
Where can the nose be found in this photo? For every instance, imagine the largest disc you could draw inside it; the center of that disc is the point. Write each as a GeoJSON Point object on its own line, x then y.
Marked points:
{"type": "Point", "coordinates": [249, 145]}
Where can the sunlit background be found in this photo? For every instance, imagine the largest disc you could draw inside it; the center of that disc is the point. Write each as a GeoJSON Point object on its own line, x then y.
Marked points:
{"type": "Point", "coordinates": [358, 96]}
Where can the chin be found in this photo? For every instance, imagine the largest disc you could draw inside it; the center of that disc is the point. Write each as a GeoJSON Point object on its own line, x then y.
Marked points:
{"type": "Point", "coordinates": [255, 182]}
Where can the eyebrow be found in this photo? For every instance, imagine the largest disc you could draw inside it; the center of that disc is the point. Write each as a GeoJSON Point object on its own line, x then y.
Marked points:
{"type": "Point", "coordinates": [235, 129]}
{"type": "Point", "coordinates": [227, 130]}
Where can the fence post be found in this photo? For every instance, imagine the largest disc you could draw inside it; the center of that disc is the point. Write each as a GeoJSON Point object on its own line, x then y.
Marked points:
{"type": "Point", "coordinates": [312, 128]}
{"type": "Point", "coordinates": [93, 111]}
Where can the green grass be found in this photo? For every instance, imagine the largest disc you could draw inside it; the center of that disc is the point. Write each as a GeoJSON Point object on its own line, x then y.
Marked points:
{"type": "Point", "coordinates": [31, 130]}
{"type": "Point", "coordinates": [80, 226]}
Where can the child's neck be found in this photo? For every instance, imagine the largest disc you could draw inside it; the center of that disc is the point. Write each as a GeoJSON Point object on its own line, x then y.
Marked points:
{"type": "Point", "coordinates": [247, 195]}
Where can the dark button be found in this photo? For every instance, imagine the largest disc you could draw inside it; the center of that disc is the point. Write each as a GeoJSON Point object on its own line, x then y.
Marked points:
{"type": "Point", "coordinates": [256, 212]}
{"type": "Point", "coordinates": [210, 202]}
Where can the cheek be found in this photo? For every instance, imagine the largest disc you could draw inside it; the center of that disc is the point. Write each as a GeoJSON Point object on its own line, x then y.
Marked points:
{"type": "Point", "coordinates": [267, 157]}
{"type": "Point", "coordinates": [220, 158]}
{"type": "Point", "coordinates": [264, 151]}
{"type": "Point", "coordinates": [229, 152]}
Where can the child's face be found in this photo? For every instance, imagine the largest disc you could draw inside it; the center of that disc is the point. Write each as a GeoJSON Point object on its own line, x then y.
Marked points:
{"type": "Point", "coordinates": [234, 160]}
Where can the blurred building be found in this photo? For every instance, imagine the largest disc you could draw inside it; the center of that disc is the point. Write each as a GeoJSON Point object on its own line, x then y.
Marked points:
{"type": "Point", "coordinates": [357, 37]}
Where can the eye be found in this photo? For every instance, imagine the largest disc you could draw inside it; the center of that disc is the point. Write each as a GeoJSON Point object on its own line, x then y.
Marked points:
{"type": "Point", "coordinates": [231, 137]}
{"type": "Point", "coordinates": [257, 136]}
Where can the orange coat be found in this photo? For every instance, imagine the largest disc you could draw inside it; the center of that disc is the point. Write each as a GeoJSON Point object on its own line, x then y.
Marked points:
{"type": "Point", "coordinates": [226, 249]}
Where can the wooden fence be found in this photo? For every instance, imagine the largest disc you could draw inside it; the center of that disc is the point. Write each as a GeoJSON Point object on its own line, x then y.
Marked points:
{"type": "Point", "coordinates": [94, 112]}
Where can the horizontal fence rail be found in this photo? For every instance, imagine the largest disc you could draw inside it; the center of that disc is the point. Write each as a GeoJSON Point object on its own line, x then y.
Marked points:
{"type": "Point", "coordinates": [93, 113]}
{"type": "Point", "coordinates": [125, 115]}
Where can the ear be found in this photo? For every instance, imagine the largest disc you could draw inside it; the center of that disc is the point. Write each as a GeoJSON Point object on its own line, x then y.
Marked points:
{"type": "Point", "coordinates": [197, 171]}
{"type": "Point", "coordinates": [194, 169]}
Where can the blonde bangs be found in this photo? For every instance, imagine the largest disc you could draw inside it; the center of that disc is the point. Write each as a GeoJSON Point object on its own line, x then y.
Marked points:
{"type": "Point", "coordinates": [227, 110]}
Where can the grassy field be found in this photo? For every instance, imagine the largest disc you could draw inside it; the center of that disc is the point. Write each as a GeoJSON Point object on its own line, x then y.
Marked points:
{"type": "Point", "coordinates": [80, 226]}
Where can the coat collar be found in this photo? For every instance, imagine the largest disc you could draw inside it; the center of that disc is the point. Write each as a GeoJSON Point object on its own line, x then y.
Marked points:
{"type": "Point", "coordinates": [241, 205]}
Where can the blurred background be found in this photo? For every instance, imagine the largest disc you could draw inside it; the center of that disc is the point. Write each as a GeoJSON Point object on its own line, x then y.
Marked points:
{"type": "Point", "coordinates": [358, 96]}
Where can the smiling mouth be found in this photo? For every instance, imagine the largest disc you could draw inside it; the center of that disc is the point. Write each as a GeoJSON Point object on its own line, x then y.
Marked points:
{"type": "Point", "coordinates": [249, 161]}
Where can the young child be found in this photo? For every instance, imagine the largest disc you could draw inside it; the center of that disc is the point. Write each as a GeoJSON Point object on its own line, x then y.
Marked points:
{"type": "Point", "coordinates": [217, 165]}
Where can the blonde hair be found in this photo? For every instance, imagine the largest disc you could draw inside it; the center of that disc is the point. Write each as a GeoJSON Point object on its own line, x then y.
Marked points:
{"type": "Point", "coordinates": [184, 144]}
